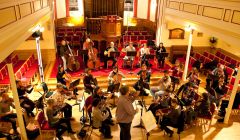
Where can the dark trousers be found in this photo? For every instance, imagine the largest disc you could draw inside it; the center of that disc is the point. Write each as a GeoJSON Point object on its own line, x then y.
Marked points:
{"type": "Point", "coordinates": [85, 57]}
{"type": "Point", "coordinates": [166, 122]}
{"type": "Point", "coordinates": [106, 59]}
{"type": "Point", "coordinates": [113, 87]}
{"type": "Point", "coordinates": [105, 129]}
{"type": "Point", "coordinates": [27, 104]}
{"type": "Point", "coordinates": [62, 125]}
{"type": "Point", "coordinates": [125, 131]}
{"type": "Point", "coordinates": [67, 110]}
{"type": "Point", "coordinates": [161, 63]}
{"type": "Point", "coordinates": [12, 119]}
{"type": "Point", "coordinates": [140, 85]}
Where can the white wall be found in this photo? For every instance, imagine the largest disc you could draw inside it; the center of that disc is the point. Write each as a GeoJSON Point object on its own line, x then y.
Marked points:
{"type": "Point", "coordinates": [142, 9]}
{"type": "Point", "coordinates": [61, 8]}
{"type": "Point", "coordinates": [153, 8]}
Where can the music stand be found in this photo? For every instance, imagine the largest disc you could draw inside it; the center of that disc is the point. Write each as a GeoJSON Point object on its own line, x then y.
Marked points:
{"type": "Point", "coordinates": [114, 54]}
{"type": "Point", "coordinates": [72, 86]}
{"type": "Point", "coordinates": [131, 53]}
{"type": "Point", "coordinates": [164, 54]}
{"type": "Point", "coordinates": [149, 56]}
{"type": "Point", "coordinates": [83, 52]}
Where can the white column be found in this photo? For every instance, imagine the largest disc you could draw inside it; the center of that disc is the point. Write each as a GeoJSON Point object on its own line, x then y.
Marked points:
{"type": "Point", "coordinates": [160, 20]}
{"type": "Point", "coordinates": [232, 97]}
{"type": "Point", "coordinates": [187, 55]}
{"type": "Point", "coordinates": [16, 101]}
{"type": "Point", "coordinates": [40, 66]}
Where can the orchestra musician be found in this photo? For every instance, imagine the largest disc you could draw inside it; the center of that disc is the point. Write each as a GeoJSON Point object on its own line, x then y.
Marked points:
{"type": "Point", "coordinates": [25, 102]}
{"type": "Point", "coordinates": [143, 52]}
{"type": "Point", "coordinates": [6, 114]}
{"type": "Point", "coordinates": [161, 58]}
{"type": "Point", "coordinates": [107, 52]}
{"type": "Point", "coordinates": [126, 58]}
{"type": "Point", "coordinates": [114, 78]}
{"type": "Point", "coordinates": [62, 52]}
{"type": "Point", "coordinates": [63, 77]}
{"type": "Point", "coordinates": [89, 81]}
{"type": "Point", "coordinates": [143, 81]}
{"type": "Point", "coordinates": [86, 46]}
{"type": "Point", "coordinates": [59, 96]}
{"type": "Point", "coordinates": [93, 61]}
{"type": "Point", "coordinates": [56, 121]}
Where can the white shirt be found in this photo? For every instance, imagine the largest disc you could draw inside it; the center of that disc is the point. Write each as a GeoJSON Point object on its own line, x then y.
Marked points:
{"type": "Point", "coordinates": [128, 48]}
{"type": "Point", "coordinates": [144, 51]}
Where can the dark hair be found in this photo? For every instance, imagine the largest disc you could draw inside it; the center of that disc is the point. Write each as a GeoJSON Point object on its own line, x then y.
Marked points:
{"type": "Point", "coordinates": [115, 67]}
{"type": "Point", "coordinates": [165, 71]}
{"type": "Point", "coordinates": [95, 102]}
{"type": "Point", "coordinates": [205, 96]}
{"type": "Point", "coordinates": [124, 90]}
{"type": "Point", "coordinates": [174, 100]}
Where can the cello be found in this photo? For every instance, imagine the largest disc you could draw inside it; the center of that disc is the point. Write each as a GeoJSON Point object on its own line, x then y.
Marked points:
{"type": "Point", "coordinates": [93, 61]}
{"type": "Point", "coordinates": [72, 64]}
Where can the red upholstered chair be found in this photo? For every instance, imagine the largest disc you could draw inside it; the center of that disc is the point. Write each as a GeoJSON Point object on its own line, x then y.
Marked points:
{"type": "Point", "coordinates": [204, 120]}
{"type": "Point", "coordinates": [228, 59]}
{"type": "Point", "coordinates": [134, 38]}
{"type": "Point", "coordinates": [70, 33]}
{"type": "Point", "coordinates": [191, 60]}
{"type": "Point", "coordinates": [207, 60]}
{"type": "Point", "coordinates": [61, 29]}
{"type": "Point", "coordinates": [147, 37]}
{"type": "Point", "coordinates": [60, 33]}
{"type": "Point", "coordinates": [79, 33]}
{"type": "Point", "coordinates": [126, 38]}
{"type": "Point", "coordinates": [229, 71]}
{"type": "Point", "coordinates": [197, 56]}
{"type": "Point", "coordinates": [222, 62]}
{"type": "Point", "coordinates": [222, 56]}
{"type": "Point", "coordinates": [144, 32]}
{"type": "Point", "coordinates": [69, 38]}
{"type": "Point", "coordinates": [202, 59]}
{"type": "Point", "coordinates": [76, 29]}
{"type": "Point", "coordinates": [44, 127]}
{"type": "Point", "coordinates": [231, 83]}
{"type": "Point", "coordinates": [211, 56]}
{"type": "Point", "coordinates": [18, 75]}
{"type": "Point", "coordinates": [205, 54]}
{"type": "Point", "coordinates": [69, 29]}
{"type": "Point", "coordinates": [217, 59]}
{"type": "Point", "coordinates": [136, 32]}
{"type": "Point", "coordinates": [141, 37]}
{"type": "Point", "coordinates": [218, 54]}
{"type": "Point", "coordinates": [233, 62]}
{"type": "Point", "coordinates": [76, 41]}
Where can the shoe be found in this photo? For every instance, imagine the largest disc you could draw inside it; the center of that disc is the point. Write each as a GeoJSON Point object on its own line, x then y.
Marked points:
{"type": "Point", "coordinates": [108, 137]}
{"type": "Point", "coordinates": [170, 134]}
{"type": "Point", "coordinates": [60, 138]}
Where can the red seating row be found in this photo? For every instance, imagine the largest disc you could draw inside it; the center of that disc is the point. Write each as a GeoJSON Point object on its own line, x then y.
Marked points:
{"type": "Point", "coordinates": [74, 29]}
{"type": "Point", "coordinates": [70, 33]}
{"type": "Point", "coordinates": [135, 38]}
{"type": "Point", "coordinates": [227, 58]}
{"type": "Point", "coordinates": [25, 71]}
{"type": "Point", "coordinates": [74, 40]}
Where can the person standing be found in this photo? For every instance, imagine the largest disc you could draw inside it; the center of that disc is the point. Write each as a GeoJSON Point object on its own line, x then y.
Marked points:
{"type": "Point", "coordinates": [160, 56]}
{"type": "Point", "coordinates": [125, 112]}
{"type": "Point", "coordinates": [62, 51]}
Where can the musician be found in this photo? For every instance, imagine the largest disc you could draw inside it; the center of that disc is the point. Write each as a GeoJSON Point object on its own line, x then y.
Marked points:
{"type": "Point", "coordinates": [125, 112]}
{"type": "Point", "coordinates": [56, 121]}
{"type": "Point", "coordinates": [86, 46]}
{"type": "Point", "coordinates": [25, 102]}
{"type": "Point", "coordinates": [144, 80]}
{"type": "Point", "coordinates": [164, 86]}
{"type": "Point", "coordinates": [143, 52]}
{"type": "Point", "coordinates": [107, 55]}
{"type": "Point", "coordinates": [214, 75]}
{"type": "Point", "coordinates": [171, 118]}
{"type": "Point", "coordinates": [114, 79]}
{"type": "Point", "coordinates": [6, 114]}
{"type": "Point", "coordinates": [188, 95]}
{"type": "Point", "coordinates": [62, 52]}
{"type": "Point", "coordinates": [175, 74]}
{"type": "Point", "coordinates": [59, 96]}
{"type": "Point", "coordinates": [92, 56]}
{"type": "Point", "coordinates": [193, 76]}
{"type": "Point", "coordinates": [161, 58]}
{"type": "Point", "coordinates": [126, 58]}
{"type": "Point", "coordinates": [99, 118]}
{"type": "Point", "coordinates": [202, 108]}
{"type": "Point", "coordinates": [98, 94]}
{"type": "Point", "coordinates": [89, 81]}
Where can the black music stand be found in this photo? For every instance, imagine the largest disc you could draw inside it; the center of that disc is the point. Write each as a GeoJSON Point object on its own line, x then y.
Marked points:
{"type": "Point", "coordinates": [72, 86]}
{"type": "Point", "coordinates": [83, 52]}
{"type": "Point", "coordinates": [164, 54]}
{"type": "Point", "coordinates": [114, 54]}
{"type": "Point", "coordinates": [131, 53]}
{"type": "Point", "coordinates": [150, 56]}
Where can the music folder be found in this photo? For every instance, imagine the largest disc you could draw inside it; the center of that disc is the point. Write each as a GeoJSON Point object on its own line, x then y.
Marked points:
{"type": "Point", "coordinates": [165, 54]}
{"type": "Point", "coordinates": [114, 54]}
{"type": "Point", "coordinates": [74, 83]}
{"type": "Point", "coordinates": [131, 53]}
{"type": "Point", "coordinates": [83, 52]}
{"type": "Point", "coordinates": [149, 56]}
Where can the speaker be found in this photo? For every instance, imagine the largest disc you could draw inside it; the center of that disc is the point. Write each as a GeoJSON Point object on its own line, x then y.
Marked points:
{"type": "Point", "coordinates": [36, 34]}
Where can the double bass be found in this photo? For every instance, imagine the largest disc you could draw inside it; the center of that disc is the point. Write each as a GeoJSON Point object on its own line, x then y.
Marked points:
{"type": "Point", "coordinates": [93, 61]}
{"type": "Point", "coordinates": [72, 64]}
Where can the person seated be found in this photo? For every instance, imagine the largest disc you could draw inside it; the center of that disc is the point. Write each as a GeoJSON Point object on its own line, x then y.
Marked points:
{"type": "Point", "coordinates": [214, 76]}
{"type": "Point", "coordinates": [163, 102]}
{"type": "Point", "coordinates": [59, 96]}
{"type": "Point", "coordinates": [175, 75]}
{"type": "Point", "coordinates": [25, 102]}
{"type": "Point", "coordinates": [56, 121]}
{"type": "Point", "coordinates": [6, 114]}
{"type": "Point", "coordinates": [164, 86]}
{"type": "Point", "coordinates": [144, 51]}
{"type": "Point", "coordinates": [188, 95]}
{"type": "Point", "coordinates": [89, 81]}
{"type": "Point", "coordinates": [144, 80]}
{"type": "Point", "coordinates": [99, 118]}
{"type": "Point", "coordinates": [126, 58]}
{"type": "Point", "coordinates": [63, 77]}
{"type": "Point", "coordinates": [210, 65]}
{"type": "Point", "coordinates": [193, 76]}
{"type": "Point", "coordinates": [161, 58]}
{"type": "Point", "coordinates": [171, 118]}
{"type": "Point", "coordinates": [98, 94]}
{"type": "Point", "coordinates": [202, 108]}
{"type": "Point", "coordinates": [114, 80]}
{"type": "Point", "coordinates": [108, 56]}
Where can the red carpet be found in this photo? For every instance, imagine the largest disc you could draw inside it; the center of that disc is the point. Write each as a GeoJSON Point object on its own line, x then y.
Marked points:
{"type": "Point", "coordinates": [105, 72]}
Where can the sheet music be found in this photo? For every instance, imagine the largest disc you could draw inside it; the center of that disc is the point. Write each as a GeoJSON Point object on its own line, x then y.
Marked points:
{"type": "Point", "coordinates": [149, 121]}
